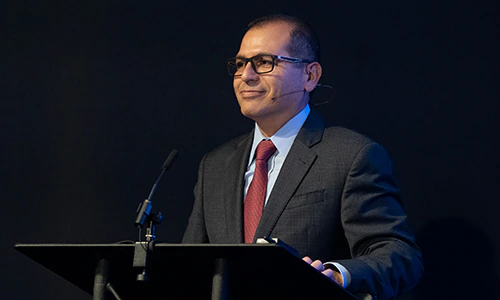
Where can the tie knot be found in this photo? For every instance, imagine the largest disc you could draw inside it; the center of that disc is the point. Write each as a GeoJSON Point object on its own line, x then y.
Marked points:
{"type": "Point", "coordinates": [264, 150]}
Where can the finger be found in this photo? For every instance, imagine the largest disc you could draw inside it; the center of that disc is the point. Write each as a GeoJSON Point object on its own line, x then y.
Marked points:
{"type": "Point", "coordinates": [329, 273]}
{"type": "Point", "coordinates": [318, 265]}
{"type": "Point", "coordinates": [307, 259]}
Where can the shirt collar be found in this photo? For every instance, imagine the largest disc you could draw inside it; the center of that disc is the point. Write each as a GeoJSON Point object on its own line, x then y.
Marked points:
{"type": "Point", "coordinates": [284, 137]}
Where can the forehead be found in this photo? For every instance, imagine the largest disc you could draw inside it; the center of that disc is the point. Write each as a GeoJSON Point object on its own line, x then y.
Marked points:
{"type": "Point", "coordinates": [270, 38]}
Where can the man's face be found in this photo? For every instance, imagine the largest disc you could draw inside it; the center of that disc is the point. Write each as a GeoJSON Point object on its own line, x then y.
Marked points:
{"type": "Point", "coordinates": [276, 96]}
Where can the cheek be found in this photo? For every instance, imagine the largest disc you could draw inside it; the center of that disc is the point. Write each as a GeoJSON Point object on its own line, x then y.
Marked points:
{"type": "Point", "coordinates": [278, 83]}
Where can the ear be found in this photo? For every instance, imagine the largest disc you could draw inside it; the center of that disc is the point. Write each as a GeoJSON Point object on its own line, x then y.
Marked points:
{"type": "Point", "coordinates": [313, 71]}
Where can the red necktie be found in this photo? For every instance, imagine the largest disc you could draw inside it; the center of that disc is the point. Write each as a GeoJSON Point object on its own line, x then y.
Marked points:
{"type": "Point", "coordinates": [254, 201]}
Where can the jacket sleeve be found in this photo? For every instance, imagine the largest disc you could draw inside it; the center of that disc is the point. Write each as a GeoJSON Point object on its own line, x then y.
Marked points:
{"type": "Point", "coordinates": [385, 257]}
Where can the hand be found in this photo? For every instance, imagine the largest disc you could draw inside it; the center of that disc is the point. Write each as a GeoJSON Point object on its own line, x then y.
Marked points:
{"type": "Point", "coordinates": [330, 273]}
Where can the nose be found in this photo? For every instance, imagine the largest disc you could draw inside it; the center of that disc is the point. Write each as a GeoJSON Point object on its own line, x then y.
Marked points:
{"type": "Point", "coordinates": [249, 73]}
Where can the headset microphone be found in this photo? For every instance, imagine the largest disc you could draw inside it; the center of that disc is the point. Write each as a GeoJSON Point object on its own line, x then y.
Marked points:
{"type": "Point", "coordinates": [286, 94]}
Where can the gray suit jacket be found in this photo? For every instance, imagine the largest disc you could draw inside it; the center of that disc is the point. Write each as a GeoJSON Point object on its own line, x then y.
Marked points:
{"type": "Point", "coordinates": [335, 199]}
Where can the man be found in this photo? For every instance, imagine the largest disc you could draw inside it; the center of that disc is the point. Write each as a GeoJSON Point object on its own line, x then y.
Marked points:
{"type": "Point", "coordinates": [327, 192]}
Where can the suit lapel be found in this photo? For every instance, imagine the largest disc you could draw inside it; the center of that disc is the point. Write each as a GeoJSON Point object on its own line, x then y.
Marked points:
{"type": "Point", "coordinates": [233, 184]}
{"type": "Point", "coordinates": [297, 164]}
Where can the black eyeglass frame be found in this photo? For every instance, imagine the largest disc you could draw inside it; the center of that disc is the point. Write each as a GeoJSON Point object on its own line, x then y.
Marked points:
{"type": "Point", "coordinates": [274, 57]}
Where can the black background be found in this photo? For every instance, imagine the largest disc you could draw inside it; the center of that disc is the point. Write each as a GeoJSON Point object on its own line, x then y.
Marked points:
{"type": "Point", "coordinates": [95, 96]}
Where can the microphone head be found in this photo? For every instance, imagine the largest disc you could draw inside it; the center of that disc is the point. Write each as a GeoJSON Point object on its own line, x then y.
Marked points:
{"type": "Point", "coordinates": [170, 159]}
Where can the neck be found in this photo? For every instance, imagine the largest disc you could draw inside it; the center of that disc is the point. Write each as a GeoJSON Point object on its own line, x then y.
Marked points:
{"type": "Point", "coordinates": [269, 131]}
{"type": "Point", "coordinates": [269, 126]}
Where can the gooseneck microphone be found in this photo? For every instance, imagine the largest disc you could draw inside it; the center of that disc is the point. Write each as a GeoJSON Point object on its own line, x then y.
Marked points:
{"type": "Point", "coordinates": [144, 209]}
{"type": "Point", "coordinates": [144, 215]}
{"type": "Point", "coordinates": [166, 165]}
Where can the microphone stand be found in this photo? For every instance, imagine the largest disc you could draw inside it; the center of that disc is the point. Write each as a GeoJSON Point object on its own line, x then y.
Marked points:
{"type": "Point", "coordinates": [102, 285]}
{"type": "Point", "coordinates": [143, 248]}
{"type": "Point", "coordinates": [144, 215]}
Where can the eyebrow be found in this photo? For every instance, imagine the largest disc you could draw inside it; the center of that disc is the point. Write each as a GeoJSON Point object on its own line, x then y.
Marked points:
{"type": "Point", "coordinates": [261, 53]}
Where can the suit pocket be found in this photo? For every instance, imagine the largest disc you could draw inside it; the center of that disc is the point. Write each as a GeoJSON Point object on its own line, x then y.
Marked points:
{"type": "Point", "coordinates": [307, 198]}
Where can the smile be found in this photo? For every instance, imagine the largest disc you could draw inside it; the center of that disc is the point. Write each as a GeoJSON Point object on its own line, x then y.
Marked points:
{"type": "Point", "coordinates": [250, 94]}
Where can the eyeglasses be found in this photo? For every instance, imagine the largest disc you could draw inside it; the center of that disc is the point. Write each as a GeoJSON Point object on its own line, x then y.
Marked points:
{"type": "Point", "coordinates": [262, 63]}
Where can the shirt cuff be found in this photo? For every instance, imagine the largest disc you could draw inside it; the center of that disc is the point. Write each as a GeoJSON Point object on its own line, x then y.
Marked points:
{"type": "Point", "coordinates": [346, 276]}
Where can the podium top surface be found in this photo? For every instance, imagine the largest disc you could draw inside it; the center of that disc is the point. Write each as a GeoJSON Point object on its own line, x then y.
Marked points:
{"type": "Point", "coordinates": [185, 271]}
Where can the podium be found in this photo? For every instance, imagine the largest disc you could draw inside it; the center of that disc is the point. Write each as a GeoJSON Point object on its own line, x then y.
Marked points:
{"type": "Point", "coordinates": [186, 271]}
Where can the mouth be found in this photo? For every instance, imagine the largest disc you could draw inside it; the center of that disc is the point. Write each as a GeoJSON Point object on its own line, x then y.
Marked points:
{"type": "Point", "coordinates": [251, 93]}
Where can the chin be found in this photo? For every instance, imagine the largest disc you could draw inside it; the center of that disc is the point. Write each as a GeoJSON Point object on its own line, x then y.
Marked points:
{"type": "Point", "coordinates": [254, 108]}
{"type": "Point", "coordinates": [250, 113]}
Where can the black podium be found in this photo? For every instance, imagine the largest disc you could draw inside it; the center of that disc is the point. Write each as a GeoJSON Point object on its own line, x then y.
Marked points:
{"type": "Point", "coordinates": [187, 271]}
